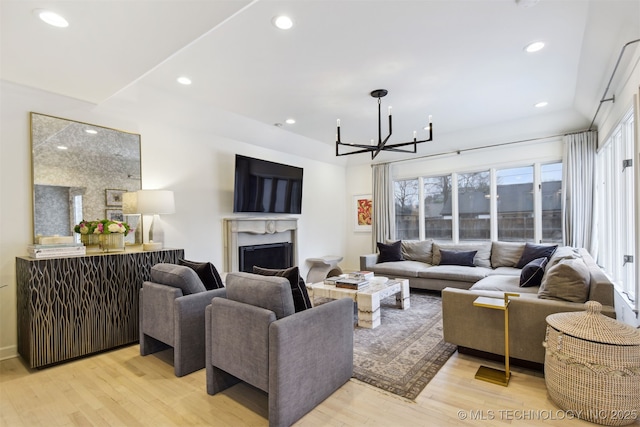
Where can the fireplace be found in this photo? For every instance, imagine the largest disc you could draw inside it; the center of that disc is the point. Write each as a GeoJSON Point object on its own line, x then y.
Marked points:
{"type": "Point", "coordinates": [278, 235]}
{"type": "Point", "coordinates": [273, 255]}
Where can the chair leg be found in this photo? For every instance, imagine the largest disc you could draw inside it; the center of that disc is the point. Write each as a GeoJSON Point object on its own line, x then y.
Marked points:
{"type": "Point", "coordinates": [149, 345]}
{"type": "Point", "coordinates": [219, 380]}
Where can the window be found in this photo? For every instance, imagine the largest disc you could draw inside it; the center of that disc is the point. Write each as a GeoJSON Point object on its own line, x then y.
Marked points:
{"type": "Point", "coordinates": [551, 185]}
{"type": "Point", "coordinates": [437, 207]}
{"type": "Point", "coordinates": [515, 204]}
{"type": "Point", "coordinates": [407, 200]}
{"type": "Point", "coordinates": [616, 230]}
{"type": "Point", "coordinates": [473, 206]}
{"type": "Point", "coordinates": [521, 203]}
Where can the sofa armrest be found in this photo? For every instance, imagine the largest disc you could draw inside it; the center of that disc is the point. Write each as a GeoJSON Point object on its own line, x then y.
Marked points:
{"type": "Point", "coordinates": [483, 329]}
{"type": "Point", "coordinates": [310, 357]}
{"type": "Point", "coordinates": [368, 261]}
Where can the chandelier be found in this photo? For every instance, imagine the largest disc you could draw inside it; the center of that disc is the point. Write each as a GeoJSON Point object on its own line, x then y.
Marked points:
{"type": "Point", "coordinates": [382, 145]}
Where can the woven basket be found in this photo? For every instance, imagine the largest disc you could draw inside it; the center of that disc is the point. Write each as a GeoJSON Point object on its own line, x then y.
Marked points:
{"type": "Point", "coordinates": [592, 366]}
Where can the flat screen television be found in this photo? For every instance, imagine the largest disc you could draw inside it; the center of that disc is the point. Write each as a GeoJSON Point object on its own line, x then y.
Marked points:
{"type": "Point", "coordinates": [269, 187]}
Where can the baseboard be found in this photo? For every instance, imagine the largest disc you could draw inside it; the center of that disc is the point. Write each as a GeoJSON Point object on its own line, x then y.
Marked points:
{"type": "Point", "coordinates": [499, 358]}
{"type": "Point", "coordinates": [8, 352]}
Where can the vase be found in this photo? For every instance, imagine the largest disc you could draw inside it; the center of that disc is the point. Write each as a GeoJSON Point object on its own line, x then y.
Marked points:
{"type": "Point", "coordinates": [90, 239]}
{"type": "Point", "coordinates": [112, 242]}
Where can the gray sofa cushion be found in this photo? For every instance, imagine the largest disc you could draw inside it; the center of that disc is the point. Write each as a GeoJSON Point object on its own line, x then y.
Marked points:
{"type": "Point", "coordinates": [177, 276]}
{"type": "Point", "coordinates": [400, 268]}
{"type": "Point", "coordinates": [506, 254]}
{"type": "Point", "coordinates": [455, 272]}
{"type": "Point", "coordinates": [506, 271]}
{"type": "Point", "coordinates": [563, 252]}
{"type": "Point", "coordinates": [568, 280]}
{"type": "Point", "coordinates": [503, 284]}
{"type": "Point", "coordinates": [418, 250]}
{"type": "Point", "coordinates": [482, 258]}
{"type": "Point", "coordinates": [269, 292]}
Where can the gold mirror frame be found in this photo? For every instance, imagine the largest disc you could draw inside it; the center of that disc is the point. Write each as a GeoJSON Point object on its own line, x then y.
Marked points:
{"type": "Point", "coordinates": [79, 171]}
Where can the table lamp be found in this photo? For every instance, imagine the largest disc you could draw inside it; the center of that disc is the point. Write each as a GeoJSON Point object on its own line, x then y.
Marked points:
{"type": "Point", "coordinates": [155, 202]}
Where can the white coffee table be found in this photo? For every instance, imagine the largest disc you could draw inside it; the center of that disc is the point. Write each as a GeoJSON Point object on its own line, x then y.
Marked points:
{"type": "Point", "coordinates": [368, 299]}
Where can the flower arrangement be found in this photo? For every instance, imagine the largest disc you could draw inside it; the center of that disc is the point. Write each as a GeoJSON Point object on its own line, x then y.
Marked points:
{"type": "Point", "coordinates": [103, 226]}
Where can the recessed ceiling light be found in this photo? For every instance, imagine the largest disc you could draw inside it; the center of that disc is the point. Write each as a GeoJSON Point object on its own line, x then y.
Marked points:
{"type": "Point", "coordinates": [91, 131]}
{"type": "Point", "coordinates": [51, 18]}
{"type": "Point", "coordinates": [290, 121]}
{"type": "Point", "coordinates": [541, 104]}
{"type": "Point", "coordinates": [534, 47]}
{"type": "Point", "coordinates": [184, 80]}
{"type": "Point", "coordinates": [62, 147]}
{"type": "Point", "coordinates": [283, 22]}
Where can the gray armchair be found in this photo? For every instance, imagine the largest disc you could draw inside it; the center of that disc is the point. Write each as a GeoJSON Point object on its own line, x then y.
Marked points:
{"type": "Point", "coordinates": [172, 307]}
{"type": "Point", "coordinates": [298, 359]}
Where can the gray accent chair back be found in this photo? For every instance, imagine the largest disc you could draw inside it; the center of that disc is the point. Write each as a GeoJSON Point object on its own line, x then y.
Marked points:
{"type": "Point", "coordinates": [172, 307]}
{"type": "Point", "coordinates": [255, 336]}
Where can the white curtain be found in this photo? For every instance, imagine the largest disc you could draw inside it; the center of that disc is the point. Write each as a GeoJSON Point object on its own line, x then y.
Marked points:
{"type": "Point", "coordinates": [383, 221]}
{"type": "Point", "coordinates": [579, 191]}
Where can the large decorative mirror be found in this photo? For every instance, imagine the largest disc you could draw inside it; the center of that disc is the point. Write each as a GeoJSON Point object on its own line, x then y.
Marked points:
{"type": "Point", "coordinates": [80, 171]}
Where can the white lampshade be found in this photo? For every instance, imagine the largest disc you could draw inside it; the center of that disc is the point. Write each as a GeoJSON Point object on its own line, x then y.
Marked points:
{"type": "Point", "coordinates": [130, 203]}
{"type": "Point", "coordinates": [154, 202]}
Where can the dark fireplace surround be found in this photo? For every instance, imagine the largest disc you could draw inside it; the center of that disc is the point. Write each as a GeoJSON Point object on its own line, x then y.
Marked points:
{"type": "Point", "coordinates": [271, 255]}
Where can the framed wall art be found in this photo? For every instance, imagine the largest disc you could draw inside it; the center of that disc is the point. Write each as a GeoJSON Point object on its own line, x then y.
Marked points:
{"type": "Point", "coordinates": [363, 209]}
{"type": "Point", "coordinates": [114, 197]}
{"type": "Point", "coordinates": [114, 214]}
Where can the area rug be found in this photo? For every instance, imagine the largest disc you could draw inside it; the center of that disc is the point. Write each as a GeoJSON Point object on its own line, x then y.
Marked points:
{"type": "Point", "coordinates": [406, 351]}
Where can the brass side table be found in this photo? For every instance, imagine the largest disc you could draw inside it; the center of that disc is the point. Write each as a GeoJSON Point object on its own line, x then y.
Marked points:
{"type": "Point", "coordinates": [485, 373]}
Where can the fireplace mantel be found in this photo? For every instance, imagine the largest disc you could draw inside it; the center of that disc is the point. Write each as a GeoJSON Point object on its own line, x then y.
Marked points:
{"type": "Point", "coordinates": [244, 231]}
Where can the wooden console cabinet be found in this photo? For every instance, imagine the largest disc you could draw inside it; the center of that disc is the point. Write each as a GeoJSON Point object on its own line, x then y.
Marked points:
{"type": "Point", "coordinates": [74, 306]}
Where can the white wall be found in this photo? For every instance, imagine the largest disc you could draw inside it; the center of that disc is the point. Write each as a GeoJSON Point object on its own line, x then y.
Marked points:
{"type": "Point", "coordinates": [181, 150]}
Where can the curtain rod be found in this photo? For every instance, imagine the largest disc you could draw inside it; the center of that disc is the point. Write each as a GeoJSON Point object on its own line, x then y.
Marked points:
{"type": "Point", "coordinates": [501, 144]}
{"type": "Point", "coordinates": [613, 97]}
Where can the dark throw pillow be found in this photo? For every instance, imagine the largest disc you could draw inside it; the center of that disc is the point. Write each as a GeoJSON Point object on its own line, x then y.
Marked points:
{"type": "Point", "coordinates": [532, 273]}
{"type": "Point", "coordinates": [464, 258]}
{"type": "Point", "coordinates": [206, 272]}
{"type": "Point", "coordinates": [532, 252]}
{"type": "Point", "coordinates": [301, 299]}
{"type": "Point", "coordinates": [390, 252]}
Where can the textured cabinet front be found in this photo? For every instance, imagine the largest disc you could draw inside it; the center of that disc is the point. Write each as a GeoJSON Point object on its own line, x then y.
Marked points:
{"type": "Point", "coordinates": [71, 307]}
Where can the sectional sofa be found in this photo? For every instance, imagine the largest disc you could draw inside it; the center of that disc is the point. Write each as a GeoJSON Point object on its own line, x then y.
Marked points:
{"type": "Point", "coordinates": [559, 282]}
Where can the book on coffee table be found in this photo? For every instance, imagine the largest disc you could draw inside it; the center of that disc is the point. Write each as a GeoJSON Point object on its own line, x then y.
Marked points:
{"type": "Point", "coordinates": [350, 283]}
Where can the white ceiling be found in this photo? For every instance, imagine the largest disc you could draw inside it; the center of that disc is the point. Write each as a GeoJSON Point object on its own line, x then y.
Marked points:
{"type": "Point", "coordinates": [460, 61]}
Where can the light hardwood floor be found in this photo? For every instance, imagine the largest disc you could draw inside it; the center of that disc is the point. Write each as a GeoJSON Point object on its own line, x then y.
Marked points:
{"type": "Point", "coordinates": [121, 388]}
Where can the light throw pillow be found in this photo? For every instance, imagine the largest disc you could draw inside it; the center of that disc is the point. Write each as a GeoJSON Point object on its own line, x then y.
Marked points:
{"type": "Point", "coordinates": [177, 276]}
{"type": "Point", "coordinates": [506, 254]}
{"type": "Point", "coordinates": [207, 273]}
{"type": "Point", "coordinates": [568, 280]}
{"type": "Point", "coordinates": [417, 250]}
{"type": "Point", "coordinates": [391, 252]}
{"type": "Point", "coordinates": [463, 258]}
{"type": "Point", "coordinates": [299, 292]}
{"type": "Point", "coordinates": [563, 252]}
{"type": "Point", "coordinates": [532, 252]}
{"type": "Point", "coordinates": [532, 273]}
